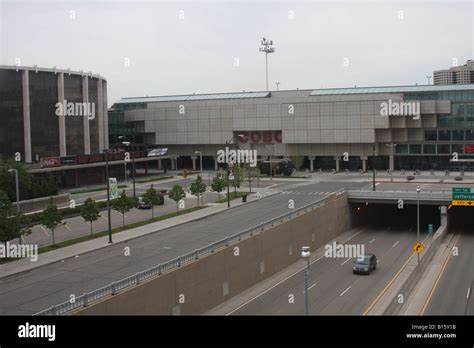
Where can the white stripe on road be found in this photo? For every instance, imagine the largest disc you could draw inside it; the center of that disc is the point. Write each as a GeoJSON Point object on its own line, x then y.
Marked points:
{"type": "Point", "coordinates": [342, 293]}
{"type": "Point", "coordinates": [395, 244]}
{"type": "Point", "coordinates": [468, 293]}
{"type": "Point", "coordinates": [44, 230]}
{"type": "Point", "coordinates": [373, 240]}
{"type": "Point", "coordinates": [312, 286]}
{"type": "Point", "coordinates": [346, 261]}
{"type": "Point", "coordinates": [65, 225]}
{"type": "Point", "coordinates": [290, 276]}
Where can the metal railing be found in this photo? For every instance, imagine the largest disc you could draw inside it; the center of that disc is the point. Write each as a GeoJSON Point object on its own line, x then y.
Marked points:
{"type": "Point", "coordinates": [87, 298]}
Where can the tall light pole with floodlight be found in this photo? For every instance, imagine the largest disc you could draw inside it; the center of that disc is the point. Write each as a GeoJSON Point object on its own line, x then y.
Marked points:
{"type": "Point", "coordinates": [267, 49]}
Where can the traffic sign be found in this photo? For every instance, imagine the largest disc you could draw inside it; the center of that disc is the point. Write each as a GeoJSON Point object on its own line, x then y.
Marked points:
{"type": "Point", "coordinates": [430, 229]}
{"type": "Point", "coordinates": [463, 196]}
{"type": "Point", "coordinates": [418, 248]}
{"type": "Point", "coordinates": [463, 203]}
{"type": "Point", "coordinates": [461, 190]}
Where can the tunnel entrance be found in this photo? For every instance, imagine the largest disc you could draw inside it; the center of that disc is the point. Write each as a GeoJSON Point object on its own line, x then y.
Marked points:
{"type": "Point", "coordinates": [378, 215]}
{"type": "Point", "coordinates": [461, 219]}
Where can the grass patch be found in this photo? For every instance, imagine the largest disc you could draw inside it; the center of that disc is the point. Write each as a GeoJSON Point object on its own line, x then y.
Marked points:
{"type": "Point", "coordinates": [233, 195]}
{"type": "Point", "coordinates": [81, 239]}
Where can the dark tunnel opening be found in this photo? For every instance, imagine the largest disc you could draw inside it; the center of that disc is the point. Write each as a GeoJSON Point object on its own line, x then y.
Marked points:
{"type": "Point", "coordinates": [378, 215]}
{"type": "Point", "coordinates": [461, 219]}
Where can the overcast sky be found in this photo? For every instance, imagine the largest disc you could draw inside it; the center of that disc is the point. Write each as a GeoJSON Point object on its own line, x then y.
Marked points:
{"type": "Point", "coordinates": [208, 47]}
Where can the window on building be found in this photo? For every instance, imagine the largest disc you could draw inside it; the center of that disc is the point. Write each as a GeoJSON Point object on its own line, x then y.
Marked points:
{"type": "Point", "coordinates": [443, 148]}
{"type": "Point", "coordinates": [458, 135]}
{"type": "Point", "coordinates": [457, 148]}
{"type": "Point", "coordinates": [444, 135]}
{"type": "Point", "coordinates": [415, 148]}
{"type": "Point", "coordinates": [429, 149]}
{"type": "Point", "coordinates": [470, 134]}
{"type": "Point", "coordinates": [401, 149]}
{"type": "Point", "coordinates": [430, 135]}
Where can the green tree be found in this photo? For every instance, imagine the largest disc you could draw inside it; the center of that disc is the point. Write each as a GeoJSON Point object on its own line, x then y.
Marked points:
{"type": "Point", "coordinates": [90, 212]}
{"type": "Point", "coordinates": [238, 177]}
{"type": "Point", "coordinates": [176, 194]}
{"type": "Point", "coordinates": [123, 204]}
{"type": "Point", "coordinates": [51, 218]}
{"type": "Point", "coordinates": [198, 187]}
{"type": "Point", "coordinates": [6, 210]}
{"type": "Point", "coordinates": [151, 197]}
{"type": "Point", "coordinates": [297, 161]}
{"type": "Point", "coordinates": [219, 182]}
{"type": "Point", "coordinates": [7, 179]}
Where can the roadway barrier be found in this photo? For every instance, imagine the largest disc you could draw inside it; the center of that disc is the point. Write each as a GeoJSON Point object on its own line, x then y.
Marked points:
{"type": "Point", "coordinates": [416, 273]}
{"type": "Point", "coordinates": [209, 276]}
{"type": "Point", "coordinates": [38, 204]}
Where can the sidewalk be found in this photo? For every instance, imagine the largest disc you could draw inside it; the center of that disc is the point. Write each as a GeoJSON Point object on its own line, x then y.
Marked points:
{"type": "Point", "coordinates": [76, 250]}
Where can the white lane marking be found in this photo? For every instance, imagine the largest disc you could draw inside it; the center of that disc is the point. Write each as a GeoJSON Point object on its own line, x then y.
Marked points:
{"type": "Point", "coordinates": [44, 230]}
{"type": "Point", "coordinates": [342, 293]}
{"type": "Point", "coordinates": [377, 184]}
{"type": "Point", "coordinates": [69, 228]}
{"type": "Point", "coordinates": [312, 286]}
{"type": "Point", "coordinates": [346, 261]}
{"type": "Point", "coordinates": [373, 240]}
{"type": "Point", "coordinates": [395, 244]}
{"type": "Point", "coordinates": [290, 276]}
{"type": "Point", "coordinates": [468, 293]}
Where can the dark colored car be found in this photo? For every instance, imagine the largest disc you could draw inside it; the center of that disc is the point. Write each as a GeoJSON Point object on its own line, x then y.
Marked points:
{"type": "Point", "coordinates": [284, 166]}
{"type": "Point", "coordinates": [365, 264]}
{"type": "Point", "coordinates": [142, 205]}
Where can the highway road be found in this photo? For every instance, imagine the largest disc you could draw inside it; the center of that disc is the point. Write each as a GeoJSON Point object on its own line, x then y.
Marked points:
{"type": "Point", "coordinates": [32, 291]}
{"type": "Point", "coordinates": [333, 288]}
{"type": "Point", "coordinates": [453, 292]}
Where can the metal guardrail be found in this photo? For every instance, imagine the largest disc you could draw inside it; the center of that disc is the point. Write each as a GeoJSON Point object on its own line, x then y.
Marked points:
{"type": "Point", "coordinates": [89, 297]}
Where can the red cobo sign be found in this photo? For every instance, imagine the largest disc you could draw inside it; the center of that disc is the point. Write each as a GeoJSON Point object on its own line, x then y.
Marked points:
{"type": "Point", "coordinates": [48, 162]}
{"type": "Point", "coordinates": [256, 137]}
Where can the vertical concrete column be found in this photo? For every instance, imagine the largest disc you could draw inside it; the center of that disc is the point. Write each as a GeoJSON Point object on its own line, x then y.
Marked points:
{"type": "Point", "coordinates": [194, 162]}
{"type": "Point", "coordinates": [443, 214]}
{"type": "Point", "coordinates": [391, 163]}
{"type": "Point", "coordinates": [173, 161]}
{"type": "Point", "coordinates": [61, 118]}
{"type": "Point", "coordinates": [337, 163]}
{"type": "Point", "coordinates": [25, 84]}
{"type": "Point", "coordinates": [100, 115]}
{"type": "Point", "coordinates": [216, 166]}
{"type": "Point", "coordinates": [311, 164]}
{"type": "Point", "coordinates": [106, 115]}
{"type": "Point", "coordinates": [85, 99]}
{"type": "Point", "coordinates": [364, 163]}
{"type": "Point", "coordinates": [160, 164]}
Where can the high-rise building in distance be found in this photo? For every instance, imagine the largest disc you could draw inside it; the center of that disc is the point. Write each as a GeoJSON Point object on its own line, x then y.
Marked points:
{"type": "Point", "coordinates": [463, 74]}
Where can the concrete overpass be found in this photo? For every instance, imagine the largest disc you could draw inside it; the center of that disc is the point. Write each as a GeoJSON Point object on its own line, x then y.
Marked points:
{"type": "Point", "coordinates": [426, 197]}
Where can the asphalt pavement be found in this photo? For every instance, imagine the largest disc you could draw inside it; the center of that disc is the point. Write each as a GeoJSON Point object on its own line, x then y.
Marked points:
{"type": "Point", "coordinates": [32, 291]}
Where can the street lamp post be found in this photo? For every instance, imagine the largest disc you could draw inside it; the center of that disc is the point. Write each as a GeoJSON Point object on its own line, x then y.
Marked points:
{"type": "Point", "coordinates": [305, 254]}
{"type": "Point", "coordinates": [418, 189]}
{"type": "Point", "coordinates": [17, 189]}
{"type": "Point", "coordinates": [200, 159]}
{"type": "Point", "coordinates": [373, 167]}
{"type": "Point", "coordinates": [278, 85]}
{"type": "Point", "coordinates": [106, 152]}
{"type": "Point", "coordinates": [267, 49]}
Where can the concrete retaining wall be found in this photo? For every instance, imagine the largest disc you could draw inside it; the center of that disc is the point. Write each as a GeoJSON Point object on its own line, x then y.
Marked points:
{"type": "Point", "coordinates": [37, 204]}
{"type": "Point", "coordinates": [204, 284]}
